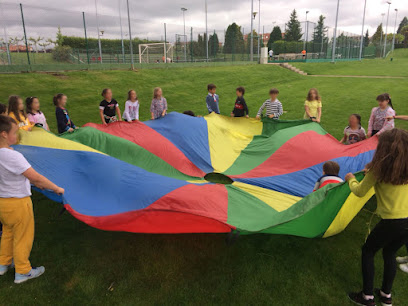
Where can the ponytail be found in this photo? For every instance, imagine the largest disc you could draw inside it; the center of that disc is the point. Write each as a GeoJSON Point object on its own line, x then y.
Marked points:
{"type": "Point", "coordinates": [387, 96]}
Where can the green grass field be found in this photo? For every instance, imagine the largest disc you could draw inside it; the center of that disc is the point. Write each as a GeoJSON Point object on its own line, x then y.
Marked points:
{"type": "Point", "coordinates": [373, 67]}
{"type": "Point", "coordinates": [93, 267]}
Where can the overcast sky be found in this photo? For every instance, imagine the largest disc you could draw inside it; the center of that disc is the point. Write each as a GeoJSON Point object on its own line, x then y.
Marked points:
{"type": "Point", "coordinates": [154, 13]}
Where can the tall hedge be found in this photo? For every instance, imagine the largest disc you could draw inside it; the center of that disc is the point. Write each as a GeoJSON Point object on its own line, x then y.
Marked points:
{"type": "Point", "coordinates": [107, 44]}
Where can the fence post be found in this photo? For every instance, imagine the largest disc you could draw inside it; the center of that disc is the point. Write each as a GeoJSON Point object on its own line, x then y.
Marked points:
{"type": "Point", "coordinates": [25, 35]}
{"type": "Point", "coordinates": [165, 41]}
{"type": "Point", "coordinates": [191, 44]}
{"type": "Point", "coordinates": [86, 38]}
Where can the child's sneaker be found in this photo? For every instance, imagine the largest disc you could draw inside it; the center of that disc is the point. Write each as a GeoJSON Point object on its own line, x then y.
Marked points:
{"type": "Point", "coordinates": [34, 273]}
{"type": "Point", "coordinates": [385, 301]}
{"type": "Point", "coordinates": [4, 269]}
{"type": "Point", "coordinates": [404, 267]}
{"type": "Point", "coordinates": [357, 298]}
{"type": "Point", "coordinates": [402, 260]}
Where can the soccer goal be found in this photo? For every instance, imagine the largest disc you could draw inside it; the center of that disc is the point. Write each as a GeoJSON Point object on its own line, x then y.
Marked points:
{"type": "Point", "coordinates": [156, 53]}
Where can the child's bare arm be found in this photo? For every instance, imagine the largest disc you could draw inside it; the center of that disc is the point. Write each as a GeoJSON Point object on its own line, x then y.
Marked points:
{"type": "Point", "coordinates": [102, 117]}
{"type": "Point", "coordinates": [118, 113]}
{"type": "Point", "coordinates": [42, 182]}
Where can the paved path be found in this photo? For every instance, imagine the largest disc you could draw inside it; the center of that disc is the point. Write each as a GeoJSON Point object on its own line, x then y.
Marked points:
{"type": "Point", "coordinates": [357, 76]}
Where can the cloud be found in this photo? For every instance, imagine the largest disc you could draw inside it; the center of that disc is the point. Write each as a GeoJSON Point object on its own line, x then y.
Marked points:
{"type": "Point", "coordinates": [147, 18]}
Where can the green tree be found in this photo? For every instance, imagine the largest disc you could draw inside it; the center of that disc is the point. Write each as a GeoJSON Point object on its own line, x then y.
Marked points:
{"type": "Point", "coordinates": [293, 29]}
{"type": "Point", "coordinates": [276, 35]}
{"type": "Point", "coordinates": [378, 34]}
{"type": "Point", "coordinates": [60, 38]}
{"type": "Point", "coordinates": [234, 40]}
{"type": "Point", "coordinates": [200, 45]}
{"type": "Point", "coordinates": [403, 23]}
{"type": "Point", "coordinates": [366, 40]}
{"type": "Point", "coordinates": [213, 45]}
{"type": "Point", "coordinates": [35, 42]}
{"type": "Point", "coordinates": [404, 31]}
{"type": "Point", "coordinates": [319, 35]}
{"type": "Point", "coordinates": [255, 42]}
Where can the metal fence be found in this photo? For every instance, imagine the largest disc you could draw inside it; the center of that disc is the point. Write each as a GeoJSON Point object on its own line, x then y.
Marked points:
{"type": "Point", "coordinates": [29, 41]}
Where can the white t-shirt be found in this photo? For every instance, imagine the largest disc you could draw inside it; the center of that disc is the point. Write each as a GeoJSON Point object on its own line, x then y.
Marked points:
{"type": "Point", "coordinates": [131, 110]}
{"type": "Point", "coordinates": [13, 184]}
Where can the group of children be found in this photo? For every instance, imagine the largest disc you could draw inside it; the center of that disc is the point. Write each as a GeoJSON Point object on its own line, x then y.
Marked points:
{"type": "Point", "coordinates": [387, 173]}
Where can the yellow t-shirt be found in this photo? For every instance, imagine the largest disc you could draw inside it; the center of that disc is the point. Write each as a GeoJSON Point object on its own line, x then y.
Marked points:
{"type": "Point", "coordinates": [23, 125]}
{"type": "Point", "coordinates": [392, 200]}
{"type": "Point", "coordinates": [313, 106]}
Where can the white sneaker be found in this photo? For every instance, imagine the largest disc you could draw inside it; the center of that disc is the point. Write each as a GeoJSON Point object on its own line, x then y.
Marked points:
{"type": "Point", "coordinates": [34, 273]}
{"type": "Point", "coordinates": [404, 267]}
{"type": "Point", "coordinates": [402, 260]}
{"type": "Point", "coordinates": [4, 269]}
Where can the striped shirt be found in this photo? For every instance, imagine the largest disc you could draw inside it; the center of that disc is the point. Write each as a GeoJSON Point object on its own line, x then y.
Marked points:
{"type": "Point", "coordinates": [272, 108]}
{"type": "Point", "coordinates": [326, 180]}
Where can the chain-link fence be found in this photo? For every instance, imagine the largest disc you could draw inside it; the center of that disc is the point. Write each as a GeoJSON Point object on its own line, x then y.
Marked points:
{"type": "Point", "coordinates": [43, 39]}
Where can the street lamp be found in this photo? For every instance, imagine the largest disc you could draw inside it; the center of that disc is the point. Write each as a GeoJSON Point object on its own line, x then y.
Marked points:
{"type": "Point", "coordinates": [306, 34]}
{"type": "Point", "coordinates": [183, 9]}
{"type": "Point", "coordinates": [395, 29]}
{"type": "Point", "coordinates": [362, 32]}
{"type": "Point", "coordinates": [386, 27]}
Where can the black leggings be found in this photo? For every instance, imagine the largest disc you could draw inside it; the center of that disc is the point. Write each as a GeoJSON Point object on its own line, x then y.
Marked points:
{"type": "Point", "coordinates": [389, 235]}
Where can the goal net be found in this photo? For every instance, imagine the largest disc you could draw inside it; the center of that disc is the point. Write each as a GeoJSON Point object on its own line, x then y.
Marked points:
{"type": "Point", "coordinates": [156, 53]}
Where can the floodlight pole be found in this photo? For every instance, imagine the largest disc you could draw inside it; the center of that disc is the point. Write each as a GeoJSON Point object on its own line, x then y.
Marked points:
{"type": "Point", "coordinates": [259, 32]}
{"type": "Point", "coordinates": [121, 32]}
{"type": "Point", "coordinates": [252, 36]}
{"type": "Point", "coordinates": [334, 33]}
{"type": "Point", "coordinates": [381, 38]}
{"type": "Point", "coordinates": [183, 9]}
{"type": "Point", "coordinates": [307, 30]}
{"type": "Point", "coordinates": [97, 28]}
{"type": "Point", "coordinates": [206, 30]}
{"type": "Point", "coordinates": [132, 63]}
{"type": "Point", "coordinates": [386, 28]}
{"type": "Point", "coordinates": [362, 32]}
{"type": "Point", "coordinates": [395, 29]}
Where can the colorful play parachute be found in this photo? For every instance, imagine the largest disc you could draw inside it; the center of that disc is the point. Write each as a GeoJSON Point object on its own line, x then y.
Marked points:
{"type": "Point", "coordinates": [149, 177]}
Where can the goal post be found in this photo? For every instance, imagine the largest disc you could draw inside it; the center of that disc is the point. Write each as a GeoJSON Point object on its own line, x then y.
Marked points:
{"type": "Point", "coordinates": [156, 53]}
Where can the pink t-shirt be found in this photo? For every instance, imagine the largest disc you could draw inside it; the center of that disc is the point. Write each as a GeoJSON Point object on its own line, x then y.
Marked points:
{"type": "Point", "coordinates": [38, 118]}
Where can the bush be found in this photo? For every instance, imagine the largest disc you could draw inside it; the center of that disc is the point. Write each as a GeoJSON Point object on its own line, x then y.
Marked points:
{"type": "Point", "coordinates": [62, 53]}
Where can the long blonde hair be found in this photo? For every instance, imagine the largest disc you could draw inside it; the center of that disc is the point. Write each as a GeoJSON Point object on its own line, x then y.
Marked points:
{"type": "Point", "coordinates": [155, 91]}
{"type": "Point", "coordinates": [309, 95]}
